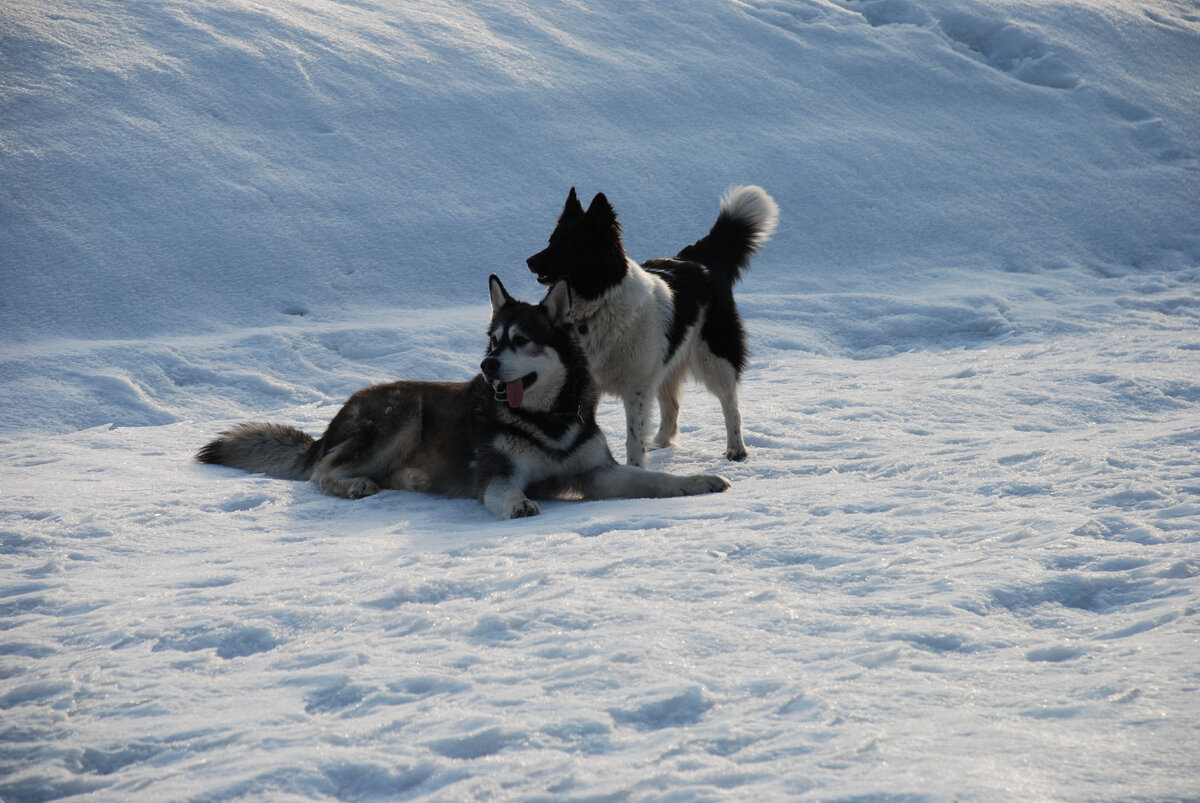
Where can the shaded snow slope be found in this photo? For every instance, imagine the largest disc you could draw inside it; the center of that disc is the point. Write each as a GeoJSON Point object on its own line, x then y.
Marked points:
{"type": "Point", "coordinates": [336, 156]}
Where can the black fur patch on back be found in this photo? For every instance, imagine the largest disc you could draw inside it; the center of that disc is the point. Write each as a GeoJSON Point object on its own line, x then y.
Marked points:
{"type": "Point", "coordinates": [723, 331]}
{"type": "Point", "coordinates": [698, 290]}
{"type": "Point", "coordinates": [691, 290]}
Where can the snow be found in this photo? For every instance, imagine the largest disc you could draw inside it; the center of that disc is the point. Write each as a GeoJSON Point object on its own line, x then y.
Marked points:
{"type": "Point", "coordinates": [960, 563]}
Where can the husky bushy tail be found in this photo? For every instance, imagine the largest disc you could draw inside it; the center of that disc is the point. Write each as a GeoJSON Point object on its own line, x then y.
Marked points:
{"type": "Point", "coordinates": [271, 449]}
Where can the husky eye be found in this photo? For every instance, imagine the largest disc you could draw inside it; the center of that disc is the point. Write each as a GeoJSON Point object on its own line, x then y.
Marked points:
{"type": "Point", "coordinates": [519, 340]}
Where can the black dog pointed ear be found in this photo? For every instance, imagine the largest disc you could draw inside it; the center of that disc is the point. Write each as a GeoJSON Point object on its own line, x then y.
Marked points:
{"type": "Point", "coordinates": [601, 210]}
{"type": "Point", "coordinates": [572, 208]}
{"type": "Point", "coordinates": [499, 295]}
{"type": "Point", "coordinates": [557, 302]}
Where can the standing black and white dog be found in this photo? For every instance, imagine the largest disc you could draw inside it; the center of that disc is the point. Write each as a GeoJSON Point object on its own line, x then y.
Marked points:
{"type": "Point", "coordinates": [645, 328]}
{"type": "Point", "coordinates": [523, 428]}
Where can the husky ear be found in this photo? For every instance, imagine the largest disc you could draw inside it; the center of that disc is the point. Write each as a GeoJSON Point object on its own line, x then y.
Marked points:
{"type": "Point", "coordinates": [572, 208]}
{"type": "Point", "coordinates": [557, 302]}
{"type": "Point", "coordinates": [500, 296]}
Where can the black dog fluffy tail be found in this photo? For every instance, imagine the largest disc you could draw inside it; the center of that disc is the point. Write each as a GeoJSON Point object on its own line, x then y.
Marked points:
{"type": "Point", "coordinates": [748, 218]}
{"type": "Point", "coordinates": [270, 449]}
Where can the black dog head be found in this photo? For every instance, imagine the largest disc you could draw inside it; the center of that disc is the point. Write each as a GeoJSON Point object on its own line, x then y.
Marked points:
{"type": "Point", "coordinates": [585, 249]}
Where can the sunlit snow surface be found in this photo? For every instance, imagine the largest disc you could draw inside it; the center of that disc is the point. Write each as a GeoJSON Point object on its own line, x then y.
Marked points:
{"type": "Point", "coordinates": [960, 563]}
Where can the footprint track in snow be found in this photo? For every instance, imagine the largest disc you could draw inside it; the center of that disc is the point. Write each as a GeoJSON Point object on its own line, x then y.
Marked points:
{"type": "Point", "coordinates": [1002, 45]}
{"type": "Point", "coordinates": [686, 708]}
{"type": "Point", "coordinates": [1008, 47]}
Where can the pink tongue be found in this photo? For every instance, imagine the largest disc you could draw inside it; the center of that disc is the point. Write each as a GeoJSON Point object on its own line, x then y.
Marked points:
{"type": "Point", "coordinates": [515, 390]}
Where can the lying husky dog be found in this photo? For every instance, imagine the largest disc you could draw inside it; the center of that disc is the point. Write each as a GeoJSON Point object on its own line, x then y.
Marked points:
{"type": "Point", "coordinates": [644, 328]}
{"type": "Point", "coordinates": [524, 427]}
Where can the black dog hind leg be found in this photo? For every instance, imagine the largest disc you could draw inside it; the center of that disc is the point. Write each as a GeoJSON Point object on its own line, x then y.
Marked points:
{"type": "Point", "coordinates": [721, 379]}
{"type": "Point", "coordinates": [668, 410]}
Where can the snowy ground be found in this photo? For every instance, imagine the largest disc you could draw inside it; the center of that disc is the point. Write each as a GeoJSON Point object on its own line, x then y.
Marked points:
{"type": "Point", "coordinates": [960, 563]}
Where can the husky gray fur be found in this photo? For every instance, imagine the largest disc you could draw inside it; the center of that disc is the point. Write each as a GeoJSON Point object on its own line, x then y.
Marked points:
{"type": "Point", "coordinates": [645, 328]}
{"type": "Point", "coordinates": [525, 427]}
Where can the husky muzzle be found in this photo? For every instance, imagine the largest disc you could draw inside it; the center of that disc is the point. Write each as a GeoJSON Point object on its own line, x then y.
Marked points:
{"type": "Point", "coordinates": [512, 391]}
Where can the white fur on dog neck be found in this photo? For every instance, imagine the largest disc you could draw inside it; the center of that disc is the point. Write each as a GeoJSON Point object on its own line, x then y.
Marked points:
{"type": "Point", "coordinates": [625, 339]}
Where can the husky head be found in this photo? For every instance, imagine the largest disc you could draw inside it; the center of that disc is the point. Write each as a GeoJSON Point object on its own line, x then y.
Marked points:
{"type": "Point", "coordinates": [585, 249]}
{"type": "Point", "coordinates": [530, 351]}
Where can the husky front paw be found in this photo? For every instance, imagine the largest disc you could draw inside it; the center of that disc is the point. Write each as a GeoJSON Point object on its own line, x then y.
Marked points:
{"type": "Point", "coordinates": [411, 479]}
{"type": "Point", "coordinates": [704, 484]}
{"type": "Point", "coordinates": [353, 488]}
{"type": "Point", "coordinates": [524, 508]}
{"type": "Point", "coordinates": [360, 487]}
